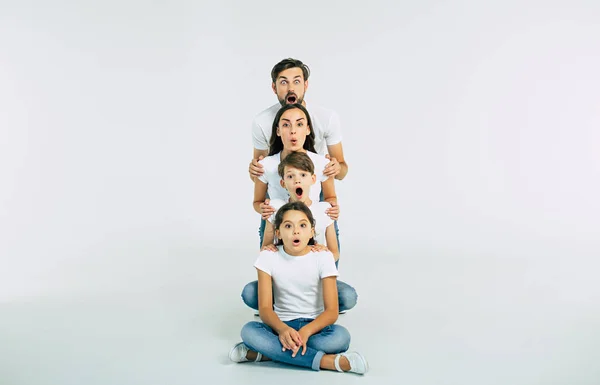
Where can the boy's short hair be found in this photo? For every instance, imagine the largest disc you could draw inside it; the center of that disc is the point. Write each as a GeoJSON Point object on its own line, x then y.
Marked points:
{"type": "Point", "coordinates": [299, 160]}
{"type": "Point", "coordinates": [286, 64]}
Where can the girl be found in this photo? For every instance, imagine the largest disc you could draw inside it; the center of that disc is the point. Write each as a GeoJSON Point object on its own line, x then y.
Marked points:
{"type": "Point", "coordinates": [297, 303]}
{"type": "Point", "coordinates": [291, 132]}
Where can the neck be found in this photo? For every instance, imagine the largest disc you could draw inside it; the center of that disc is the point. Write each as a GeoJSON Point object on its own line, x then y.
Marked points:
{"type": "Point", "coordinates": [299, 253]}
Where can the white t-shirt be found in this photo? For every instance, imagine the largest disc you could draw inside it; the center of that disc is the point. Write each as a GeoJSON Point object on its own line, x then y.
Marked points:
{"type": "Point", "coordinates": [297, 288]}
{"type": "Point", "coordinates": [271, 176]}
{"type": "Point", "coordinates": [326, 126]}
{"type": "Point", "coordinates": [322, 220]}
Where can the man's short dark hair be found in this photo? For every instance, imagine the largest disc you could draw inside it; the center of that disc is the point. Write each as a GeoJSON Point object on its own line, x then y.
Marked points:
{"type": "Point", "coordinates": [286, 64]}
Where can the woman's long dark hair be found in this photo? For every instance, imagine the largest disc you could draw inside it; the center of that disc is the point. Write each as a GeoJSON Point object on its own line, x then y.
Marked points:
{"type": "Point", "coordinates": [276, 145]}
{"type": "Point", "coordinates": [298, 206]}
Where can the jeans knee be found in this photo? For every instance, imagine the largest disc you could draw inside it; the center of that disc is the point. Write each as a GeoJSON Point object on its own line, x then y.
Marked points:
{"type": "Point", "coordinates": [347, 297]}
{"type": "Point", "coordinates": [250, 295]}
{"type": "Point", "coordinates": [338, 340]}
{"type": "Point", "coordinates": [250, 331]}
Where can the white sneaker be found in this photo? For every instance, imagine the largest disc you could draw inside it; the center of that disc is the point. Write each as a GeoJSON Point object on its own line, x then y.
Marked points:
{"type": "Point", "coordinates": [239, 351]}
{"type": "Point", "coordinates": [358, 363]}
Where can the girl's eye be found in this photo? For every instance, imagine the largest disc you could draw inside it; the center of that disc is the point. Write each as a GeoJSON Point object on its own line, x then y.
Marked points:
{"type": "Point", "coordinates": [303, 225]}
{"type": "Point", "coordinates": [287, 226]}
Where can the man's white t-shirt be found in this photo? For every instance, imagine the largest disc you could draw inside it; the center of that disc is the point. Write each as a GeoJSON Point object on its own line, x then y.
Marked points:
{"type": "Point", "coordinates": [297, 288]}
{"type": "Point", "coordinates": [322, 220]}
{"type": "Point", "coordinates": [272, 178]}
{"type": "Point", "coordinates": [326, 126]}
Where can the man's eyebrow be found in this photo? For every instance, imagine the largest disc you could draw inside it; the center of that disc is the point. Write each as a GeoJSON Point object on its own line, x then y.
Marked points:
{"type": "Point", "coordinates": [284, 77]}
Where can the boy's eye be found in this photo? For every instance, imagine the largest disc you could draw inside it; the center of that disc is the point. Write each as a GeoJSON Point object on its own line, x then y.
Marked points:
{"type": "Point", "coordinates": [289, 177]}
{"type": "Point", "coordinates": [303, 175]}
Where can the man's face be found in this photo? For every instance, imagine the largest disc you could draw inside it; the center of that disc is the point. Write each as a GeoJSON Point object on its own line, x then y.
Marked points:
{"type": "Point", "coordinates": [297, 182]}
{"type": "Point", "coordinates": [290, 86]}
{"type": "Point", "coordinates": [295, 231]}
{"type": "Point", "coordinates": [293, 129]}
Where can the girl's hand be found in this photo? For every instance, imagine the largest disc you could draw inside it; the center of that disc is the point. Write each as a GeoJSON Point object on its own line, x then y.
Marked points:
{"type": "Point", "coordinates": [318, 247]}
{"type": "Point", "coordinates": [270, 247]}
{"type": "Point", "coordinates": [334, 211]}
{"type": "Point", "coordinates": [266, 210]}
{"type": "Point", "coordinates": [290, 339]}
{"type": "Point", "coordinates": [304, 336]}
{"type": "Point", "coordinates": [332, 168]}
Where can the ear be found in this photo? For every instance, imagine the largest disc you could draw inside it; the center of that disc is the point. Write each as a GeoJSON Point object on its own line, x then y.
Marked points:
{"type": "Point", "coordinates": [277, 234]}
{"type": "Point", "coordinates": [274, 88]}
{"type": "Point", "coordinates": [314, 179]}
{"type": "Point", "coordinates": [305, 85]}
{"type": "Point", "coordinates": [278, 133]}
{"type": "Point", "coordinates": [282, 183]}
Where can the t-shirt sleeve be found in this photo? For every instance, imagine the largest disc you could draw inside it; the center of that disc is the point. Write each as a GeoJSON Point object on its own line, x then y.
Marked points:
{"type": "Point", "coordinates": [264, 262]}
{"type": "Point", "coordinates": [259, 141]}
{"type": "Point", "coordinates": [321, 166]}
{"type": "Point", "coordinates": [327, 265]}
{"type": "Point", "coordinates": [263, 177]}
{"type": "Point", "coordinates": [322, 215]}
{"type": "Point", "coordinates": [333, 133]}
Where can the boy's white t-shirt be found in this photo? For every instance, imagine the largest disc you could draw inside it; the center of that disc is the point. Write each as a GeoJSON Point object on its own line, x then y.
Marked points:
{"type": "Point", "coordinates": [322, 220]}
{"type": "Point", "coordinates": [297, 288]}
{"type": "Point", "coordinates": [326, 126]}
{"type": "Point", "coordinates": [272, 178]}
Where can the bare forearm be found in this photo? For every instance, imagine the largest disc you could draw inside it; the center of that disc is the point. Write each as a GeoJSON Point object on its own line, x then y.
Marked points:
{"type": "Point", "coordinates": [328, 317]}
{"type": "Point", "coordinates": [256, 205]}
{"type": "Point", "coordinates": [343, 171]}
{"type": "Point", "coordinates": [269, 317]}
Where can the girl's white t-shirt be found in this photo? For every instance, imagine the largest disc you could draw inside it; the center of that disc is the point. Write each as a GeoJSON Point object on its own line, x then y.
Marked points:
{"type": "Point", "coordinates": [297, 288]}
{"type": "Point", "coordinates": [271, 176]}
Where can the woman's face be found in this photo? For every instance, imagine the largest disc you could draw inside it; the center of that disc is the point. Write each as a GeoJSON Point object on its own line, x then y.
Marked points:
{"type": "Point", "coordinates": [293, 129]}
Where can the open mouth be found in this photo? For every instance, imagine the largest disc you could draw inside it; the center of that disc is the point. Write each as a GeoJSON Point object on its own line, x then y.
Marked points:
{"type": "Point", "coordinates": [291, 99]}
{"type": "Point", "coordinates": [299, 192]}
{"type": "Point", "coordinates": [296, 242]}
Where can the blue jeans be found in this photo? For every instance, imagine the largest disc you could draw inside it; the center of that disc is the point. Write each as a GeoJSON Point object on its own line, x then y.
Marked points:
{"type": "Point", "coordinates": [332, 339]}
{"type": "Point", "coordinates": [261, 229]}
{"type": "Point", "coordinates": [347, 296]}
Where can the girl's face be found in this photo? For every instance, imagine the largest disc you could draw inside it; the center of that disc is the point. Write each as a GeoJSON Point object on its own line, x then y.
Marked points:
{"type": "Point", "coordinates": [293, 129]}
{"type": "Point", "coordinates": [295, 231]}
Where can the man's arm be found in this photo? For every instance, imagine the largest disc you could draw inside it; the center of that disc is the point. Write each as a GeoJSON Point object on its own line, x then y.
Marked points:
{"type": "Point", "coordinates": [337, 162]}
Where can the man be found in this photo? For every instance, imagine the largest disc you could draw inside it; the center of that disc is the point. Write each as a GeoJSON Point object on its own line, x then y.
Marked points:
{"type": "Point", "coordinates": [290, 82]}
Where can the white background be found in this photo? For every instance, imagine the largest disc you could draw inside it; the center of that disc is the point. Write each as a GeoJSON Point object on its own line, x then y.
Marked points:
{"type": "Point", "coordinates": [470, 215]}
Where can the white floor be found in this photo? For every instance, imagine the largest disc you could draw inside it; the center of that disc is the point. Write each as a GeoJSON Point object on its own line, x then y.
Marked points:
{"type": "Point", "coordinates": [430, 318]}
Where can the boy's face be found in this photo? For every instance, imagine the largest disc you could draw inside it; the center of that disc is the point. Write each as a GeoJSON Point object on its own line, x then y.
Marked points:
{"type": "Point", "coordinates": [290, 86]}
{"type": "Point", "coordinates": [293, 129]}
{"type": "Point", "coordinates": [297, 182]}
{"type": "Point", "coordinates": [295, 231]}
